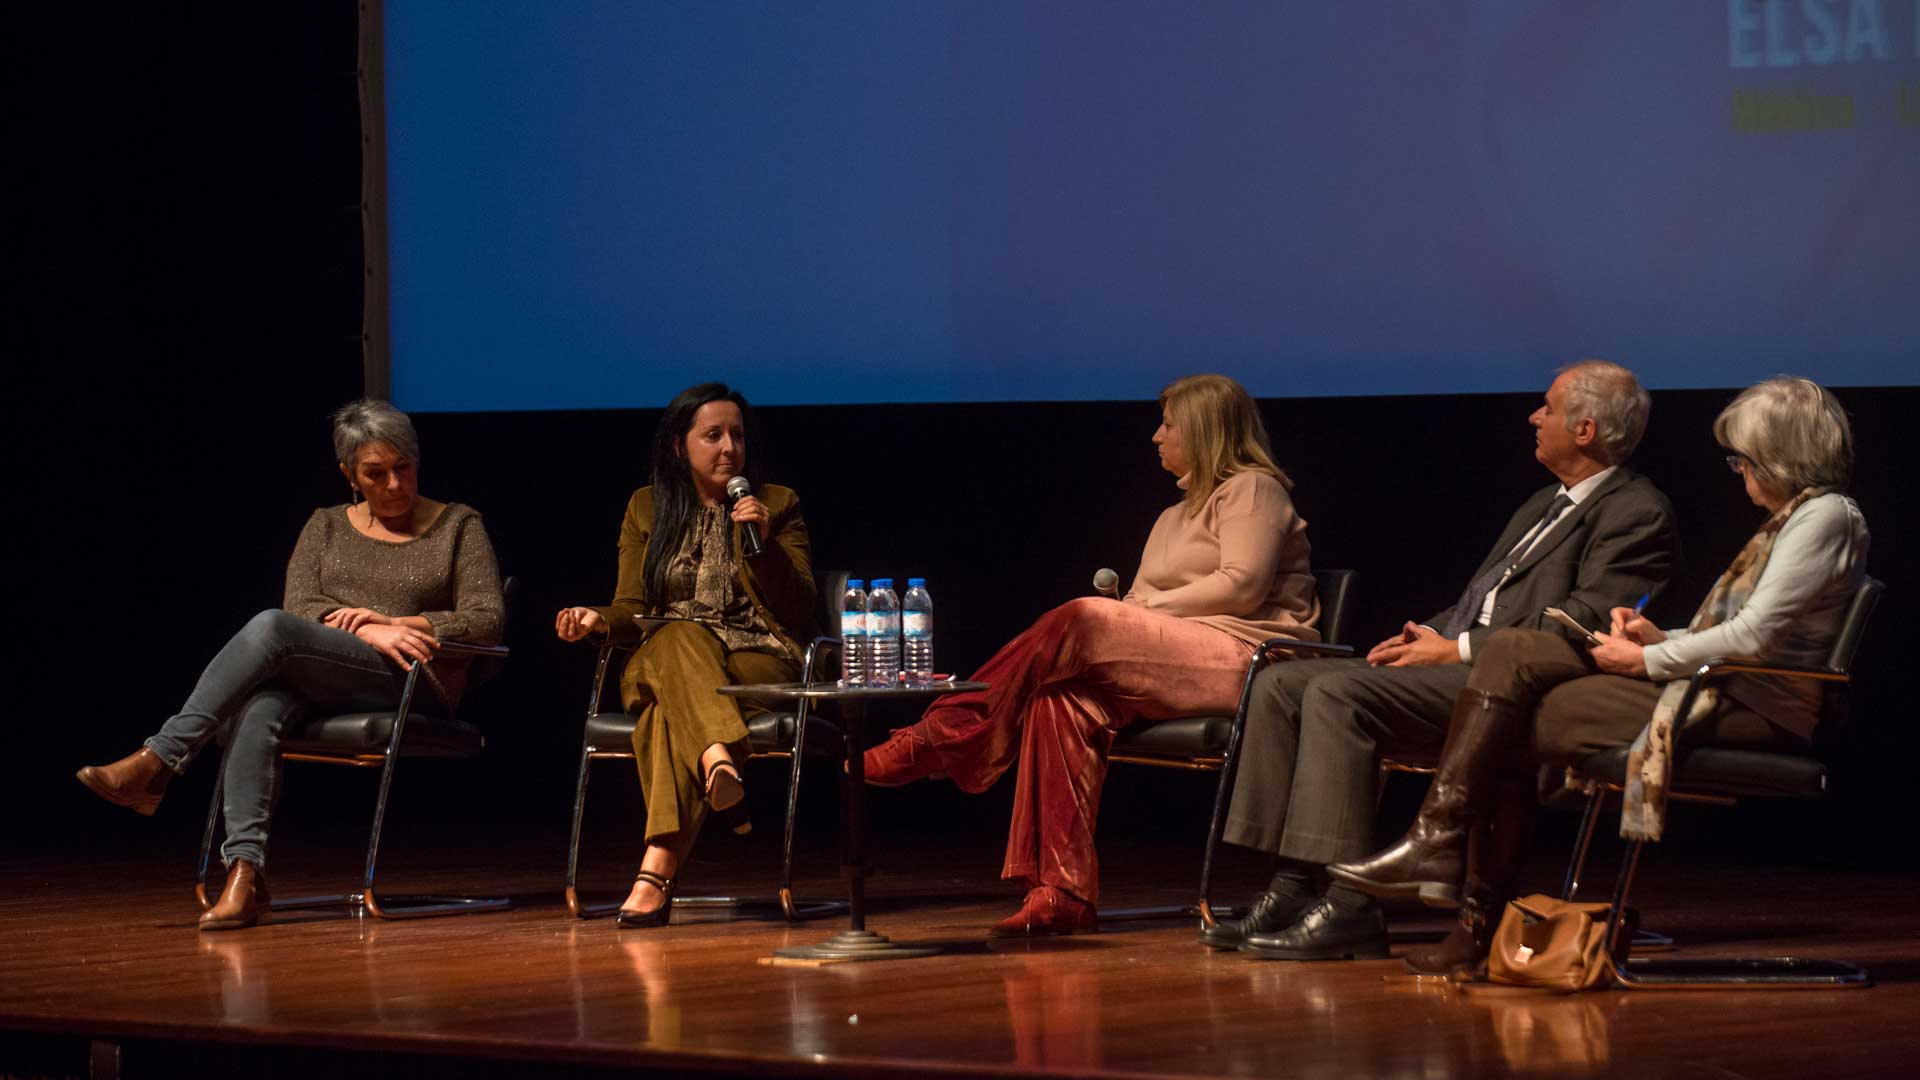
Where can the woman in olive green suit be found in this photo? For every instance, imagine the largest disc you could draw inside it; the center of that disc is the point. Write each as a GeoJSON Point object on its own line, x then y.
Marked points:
{"type": "Point", "coordinates": [739, 620]}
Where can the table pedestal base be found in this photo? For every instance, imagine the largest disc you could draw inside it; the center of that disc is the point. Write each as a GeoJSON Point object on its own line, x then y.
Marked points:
{"type": "Point", "coordinates": [856, 945]}
{"type": "Point", "coordinates": [856, 942]}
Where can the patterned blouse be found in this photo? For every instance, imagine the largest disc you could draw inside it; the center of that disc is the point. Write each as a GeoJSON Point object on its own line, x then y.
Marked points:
{"type": "Point", "coordinates": [701, 586]}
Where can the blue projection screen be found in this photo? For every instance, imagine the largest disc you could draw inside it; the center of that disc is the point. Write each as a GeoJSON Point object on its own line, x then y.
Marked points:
{"type": "Point", "coordinates": [593, 203]}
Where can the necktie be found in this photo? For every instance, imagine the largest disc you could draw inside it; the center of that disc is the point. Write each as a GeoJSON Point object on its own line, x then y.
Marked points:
{"type": "Point", "coordinates": [1467, 612]}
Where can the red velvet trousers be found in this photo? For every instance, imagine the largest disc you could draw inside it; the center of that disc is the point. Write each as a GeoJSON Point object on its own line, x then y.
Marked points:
{"type": "Point", "coordinates": [1059, 693]}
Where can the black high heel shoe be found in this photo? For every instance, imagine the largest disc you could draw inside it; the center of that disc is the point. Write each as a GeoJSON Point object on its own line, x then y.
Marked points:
{"type": "Point", "coordinates": [658, 916]}
{"type": "Point", "coordinates": [726, 795]}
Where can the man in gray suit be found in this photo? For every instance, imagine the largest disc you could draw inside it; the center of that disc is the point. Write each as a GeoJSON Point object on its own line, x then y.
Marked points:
{"type": "Point", "coordinates": [1601, 537]}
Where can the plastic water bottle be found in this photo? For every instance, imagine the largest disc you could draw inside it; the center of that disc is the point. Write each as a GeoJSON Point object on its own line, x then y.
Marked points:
{"type": "Point", "coordinates": [916, 632]}
{"type": "Point", "coordinates": [883, 635]}
{"type": "Point", "coordinates": [853, 634]}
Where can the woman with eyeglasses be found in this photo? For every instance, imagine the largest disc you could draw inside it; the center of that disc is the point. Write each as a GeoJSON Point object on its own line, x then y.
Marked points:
{"type": "Point", "coordinates": [1536, 698]}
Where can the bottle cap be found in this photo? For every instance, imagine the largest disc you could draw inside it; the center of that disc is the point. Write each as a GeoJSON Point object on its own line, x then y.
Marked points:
{"type": "Point", "coordinates": [856, 583]}
{"type": "Point", "coordinates": [916, 583]}
{"type": "Point", "coordinates": [883, 583]}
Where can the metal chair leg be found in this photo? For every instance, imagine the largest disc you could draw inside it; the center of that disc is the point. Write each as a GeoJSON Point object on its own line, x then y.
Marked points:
{"type": "Point", "coordinates": [793, 810]}
{"type": "Point", "coordinates": [1643, 938]}
{"type": "Point", "coordinates": [409, 906]}
{"type": "Point", "coordinates": [214, 815]}
{"type": "Point", "coordinates": [213, 821]}
{"type": "Point", "coordinates": [1203, 908]}
{"type": "Point", "coordinates": [799, 911]}
{"type": "Point", "coordinates": [785, 904]}
{"type": "Point", "coordinates": [579, 908]}
{"type": "Point", "coordinates": [1229, 770]}
{"type": "Point", "coordinates": [1669, 973]}
{"type": "Point", "coordinates": [366, 900]}
{"type": "Point", "coordinates": [790, 909]}
{"type": "Point", "coordinates": [1577, 865]}
{"type": "Point", "coordinates": [574, 906]}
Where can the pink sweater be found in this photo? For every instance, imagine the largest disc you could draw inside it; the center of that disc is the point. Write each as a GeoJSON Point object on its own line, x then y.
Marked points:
{"type": "Point", "coordinates": [1240, 564]}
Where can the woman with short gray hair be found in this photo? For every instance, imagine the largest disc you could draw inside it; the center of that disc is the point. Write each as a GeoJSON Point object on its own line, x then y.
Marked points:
{"type": "Point", "coordinates": [363, 423]}
{"type": "Point", "coordinates": [373, 588]}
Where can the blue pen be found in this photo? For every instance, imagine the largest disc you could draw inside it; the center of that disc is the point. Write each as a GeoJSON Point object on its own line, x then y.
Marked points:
{"type": "Point", "coordinates": [1638, 605]}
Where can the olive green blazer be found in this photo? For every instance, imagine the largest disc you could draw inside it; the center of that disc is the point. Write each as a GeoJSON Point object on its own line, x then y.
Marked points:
{"type": "Point", "coordinates": [778, 581]}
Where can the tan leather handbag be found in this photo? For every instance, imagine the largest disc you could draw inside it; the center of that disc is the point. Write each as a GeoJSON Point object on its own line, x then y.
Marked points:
{"type": "Point", "coordinates": [1547, 942]}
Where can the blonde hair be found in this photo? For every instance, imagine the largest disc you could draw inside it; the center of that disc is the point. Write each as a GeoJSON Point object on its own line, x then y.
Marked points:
{"type": "Point", "coordinates": [1221, 433]}
{"type": "Point", "coordinates": [1792, 431]}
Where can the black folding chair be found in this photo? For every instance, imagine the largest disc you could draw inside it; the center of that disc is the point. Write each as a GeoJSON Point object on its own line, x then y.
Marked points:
{"type": "Point", "coordinates": [377, 739]}
{"type": "Point", "coordinates": [1706, 774]}
{"type": "Point", "coordinates": [793, 735]}
{"type": "Point", "coordinates": [1212, 743]}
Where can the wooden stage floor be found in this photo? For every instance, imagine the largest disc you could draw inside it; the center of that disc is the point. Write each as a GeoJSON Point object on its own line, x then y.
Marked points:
{"type": "Point", "coordinates": [102, 948]}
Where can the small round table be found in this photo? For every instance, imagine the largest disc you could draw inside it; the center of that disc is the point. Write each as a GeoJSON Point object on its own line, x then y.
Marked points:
{"type": "Point", "coordinates": [856, 942]}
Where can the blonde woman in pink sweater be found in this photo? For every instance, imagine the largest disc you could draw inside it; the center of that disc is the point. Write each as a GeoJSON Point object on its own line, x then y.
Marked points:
{"type": "Point", "coordinates": [1224, 569]}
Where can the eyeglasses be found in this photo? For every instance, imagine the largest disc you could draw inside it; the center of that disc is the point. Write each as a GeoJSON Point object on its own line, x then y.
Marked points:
{"type": "Point", "coordinates": [1736, 461]}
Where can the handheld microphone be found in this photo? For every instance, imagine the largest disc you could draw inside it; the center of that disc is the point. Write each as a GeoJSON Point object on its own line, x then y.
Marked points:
{"type": "Point", "coordinates": [739, 488]}
{"type": "Point", "coordinates": [1106, 583]}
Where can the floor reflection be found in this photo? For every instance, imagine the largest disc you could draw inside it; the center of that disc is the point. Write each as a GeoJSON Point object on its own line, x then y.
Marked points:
{"type": "Point", "coordinates": [245, 997]}
{"type": "Point", "coordinates": [1538, 1031]}
{"type": "Point", "coordinates": [1053, 1015]}
{"type": "Point", "coordinates": [1513, 1029]}
{"type": "Point", "coordinates": [653, 967]}
{"type": "Point", "coordinates": [673, 993]}
{"type": "Point", "coordinates": [1245, 1000]}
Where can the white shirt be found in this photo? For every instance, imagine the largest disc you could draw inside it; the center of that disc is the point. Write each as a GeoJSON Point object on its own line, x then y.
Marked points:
{"type": "Point", "coordinates": [1578, 493]}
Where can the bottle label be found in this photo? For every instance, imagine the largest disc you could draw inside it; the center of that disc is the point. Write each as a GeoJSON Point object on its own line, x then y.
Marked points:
{"type": "Point", "coordinates": [883, 624]}
{"type": "Point", "coordinates": [917, 623]}
{"type": "Point", "coordinates": [853, 623]}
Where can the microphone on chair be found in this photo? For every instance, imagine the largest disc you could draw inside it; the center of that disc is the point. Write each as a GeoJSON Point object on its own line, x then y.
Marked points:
{"type": "Point", "coordinates": [1106, 583]}
{"type": "Point", "coordinates": [739, 488]}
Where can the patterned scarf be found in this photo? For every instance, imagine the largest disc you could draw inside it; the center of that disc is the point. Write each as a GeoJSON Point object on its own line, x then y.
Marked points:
{"type": "Point", "coordinates": [1643, 805]}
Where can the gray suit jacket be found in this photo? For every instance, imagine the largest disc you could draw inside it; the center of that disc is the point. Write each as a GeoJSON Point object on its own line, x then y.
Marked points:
{"type": "Point", "coordinates": [1604, 553]}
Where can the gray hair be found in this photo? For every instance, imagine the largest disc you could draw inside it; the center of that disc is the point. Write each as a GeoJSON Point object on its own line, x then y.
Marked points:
{"type": "Point", "coordinates": [1792, 431]}
{"type": "Point", "coordinates": [1614, 400]}
{"type": "Point", "coordinates": [359, 424]}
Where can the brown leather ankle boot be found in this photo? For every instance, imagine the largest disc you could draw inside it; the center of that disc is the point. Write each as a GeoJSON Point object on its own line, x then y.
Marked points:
{"type": "Point", "coordinates": [136, 782]}
{"type": "Point", "coordinates": [1428, 862]}
{"type": "Point", "coordinates": [1494, 852]}
{"type": "Point", "coordinates": [244, 901]}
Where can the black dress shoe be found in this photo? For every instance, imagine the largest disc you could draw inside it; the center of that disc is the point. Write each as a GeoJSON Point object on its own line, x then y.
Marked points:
{"type": "Point", "coordinates": [1272, 912]}
{"type": "Point", "coordinates": [1328, 931]}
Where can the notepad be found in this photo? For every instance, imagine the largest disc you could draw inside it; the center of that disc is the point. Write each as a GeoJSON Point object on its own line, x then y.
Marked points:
{"type": "Point", "coordinates": [1571, 623]}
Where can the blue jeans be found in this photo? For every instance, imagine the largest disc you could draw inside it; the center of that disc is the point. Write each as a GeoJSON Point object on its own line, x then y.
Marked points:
{"type": "Point", "coordinates": [277, 668]}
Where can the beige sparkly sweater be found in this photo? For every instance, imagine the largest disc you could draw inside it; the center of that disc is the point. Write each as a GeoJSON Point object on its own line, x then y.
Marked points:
{"type": "Point", "coordinates": [1240, 564]}
{"type": "Point", "coordinates": [447, 575]}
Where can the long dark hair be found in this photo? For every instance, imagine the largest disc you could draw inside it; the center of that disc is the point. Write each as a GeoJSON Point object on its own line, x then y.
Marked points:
{"type": "Point", "coordinates": [674, 498]}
